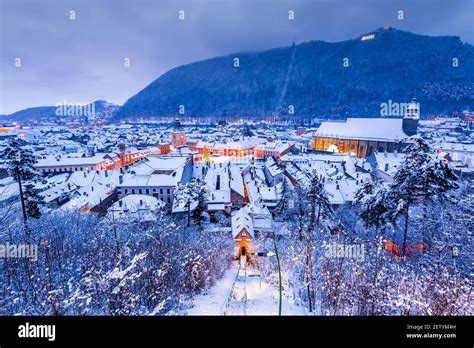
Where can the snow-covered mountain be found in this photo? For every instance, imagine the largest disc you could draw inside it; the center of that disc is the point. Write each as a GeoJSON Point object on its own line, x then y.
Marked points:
{"type": "Point", "coordinates": [323, 79]}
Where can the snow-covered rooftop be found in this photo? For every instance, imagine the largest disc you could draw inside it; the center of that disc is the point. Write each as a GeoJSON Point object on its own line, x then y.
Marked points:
{"type": "Point", "coordinates": [138, 207]}
{"type": "Point", "coordinates": [240, 221]}
{"type": "Point", "coordinates": [52, 160]}
{"type": "Point", "coordinates": [150, 180]}
{"type": "Point", "coordinates": [363, 128]}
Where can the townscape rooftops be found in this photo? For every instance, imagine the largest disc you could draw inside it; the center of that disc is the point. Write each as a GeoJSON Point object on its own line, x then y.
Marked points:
{"type": "Point", "coordinates": [454, 147]}
{"type": "Point", "coordinates": [51, 160]}
{"type": "Point", "coordinates": [246, 143]}
{"type": "Point", "coordinates": [276, 146]}
{"type": "Point", "coordinates": [136, 202]}
{"type": "Point", "coordinates": [388, 162]}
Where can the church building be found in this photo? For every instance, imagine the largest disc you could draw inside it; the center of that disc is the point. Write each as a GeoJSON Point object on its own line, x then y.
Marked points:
{"type": "Point", "coordinates": [361, 137]}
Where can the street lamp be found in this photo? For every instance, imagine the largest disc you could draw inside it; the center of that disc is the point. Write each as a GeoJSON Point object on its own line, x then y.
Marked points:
{"type": "Point", "coordinates": [269, 254]}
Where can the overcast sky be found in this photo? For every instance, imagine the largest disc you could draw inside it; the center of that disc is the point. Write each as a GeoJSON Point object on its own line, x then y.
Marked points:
{"type": "Point", "coordinates": [82, 60]}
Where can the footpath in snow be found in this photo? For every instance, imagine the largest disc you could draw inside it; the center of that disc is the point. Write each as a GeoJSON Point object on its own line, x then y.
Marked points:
{"type": "Point", "coordinates": [241, 292]}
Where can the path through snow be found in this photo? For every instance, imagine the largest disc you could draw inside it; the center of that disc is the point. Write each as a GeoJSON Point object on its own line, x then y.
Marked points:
{"type": "Point", "coordinates": [262, 298]}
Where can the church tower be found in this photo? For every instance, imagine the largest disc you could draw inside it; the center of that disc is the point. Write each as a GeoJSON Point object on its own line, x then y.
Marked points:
{"type": "Point", "coordinates": [411, 118]}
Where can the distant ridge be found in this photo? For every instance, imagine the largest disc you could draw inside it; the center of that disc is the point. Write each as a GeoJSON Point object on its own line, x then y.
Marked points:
{"type": "Point", "coordinates": [41, 113]}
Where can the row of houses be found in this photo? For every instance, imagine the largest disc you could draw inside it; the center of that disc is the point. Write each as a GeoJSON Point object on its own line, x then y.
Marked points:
{"type": "Point", "coordinates": [80, 161]}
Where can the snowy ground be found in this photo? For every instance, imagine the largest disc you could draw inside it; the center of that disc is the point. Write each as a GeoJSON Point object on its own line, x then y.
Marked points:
{"type": "Point", "coordinates": [262, 299]}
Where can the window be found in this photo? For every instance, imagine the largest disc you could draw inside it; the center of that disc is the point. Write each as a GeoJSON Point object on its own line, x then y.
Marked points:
{"type": "Point", "coordinates": [133, 191]}
{"type": "Point", "coordinates": [161, 191]}
{"type": "Point", "coordinates": [147, 191]}
{"type": "Point", "coordinates": [169, 200]}
{"type": "Point", "coordinates": [140, 191]}
{"type": "Point", "coordinates": [168, 191]}
{"type": "Point", "coordinates": [126, 191]}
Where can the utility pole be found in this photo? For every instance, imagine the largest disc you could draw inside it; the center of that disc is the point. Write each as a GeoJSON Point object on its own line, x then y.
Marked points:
{"type": "Point", "coordinates": [22, 199]}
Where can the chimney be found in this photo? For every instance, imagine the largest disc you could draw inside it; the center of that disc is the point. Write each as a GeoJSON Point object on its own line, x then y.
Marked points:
{"type": "Point", "coordinates": [106, 173]}
{"type": "Point", "coordinates": [120, 204]}
{"type": "Point", "coordinates": [386, 167]}
{"type": "Point", "coordinates": [141, 202]}
{"type": "Point", "coordinates": [120, 179]}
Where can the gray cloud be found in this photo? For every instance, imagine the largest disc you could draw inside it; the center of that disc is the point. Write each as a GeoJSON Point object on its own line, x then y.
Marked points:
{"type": "Point", "coordinates": [82, 60]}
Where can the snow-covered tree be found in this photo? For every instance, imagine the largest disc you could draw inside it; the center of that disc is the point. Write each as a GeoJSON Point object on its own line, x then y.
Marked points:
{"type": "Point", "coordinates": [312, 208]}
{"type": "Point", "coordinates": [284, 208]}
{"type": "Point", "coordinates": [373, 204]}
{"type": "Point", "coordinates": [420, 179]}
{"type": "Point", "coordinates": [201, 193]}
{"type": "Point", "coordinates": [364, 199]}
{"type": "Point", "coordinates": [33, 201]}
{"type": "Point", "coordinates": [318, 200]}
{"type": "Point", "coordinates": [20, 164]}
{"type": "Point", "coordinates": [187, 194]}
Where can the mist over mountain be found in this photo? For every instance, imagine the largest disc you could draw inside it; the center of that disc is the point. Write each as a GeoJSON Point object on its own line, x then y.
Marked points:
{"type": "Point", "coordinates": [102, 109]}
{"type": "Point", "coordinates": [312, 79]}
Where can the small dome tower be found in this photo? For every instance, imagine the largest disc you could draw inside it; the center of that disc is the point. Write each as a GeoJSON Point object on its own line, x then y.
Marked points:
{"type": "Point", "coordinates": [413, 109]}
